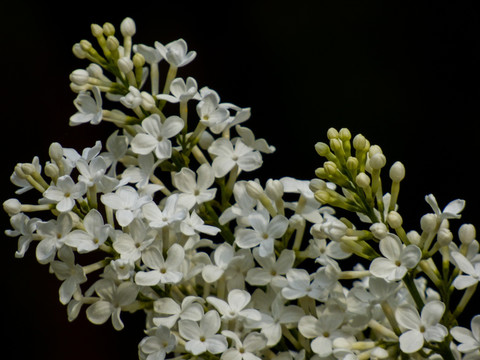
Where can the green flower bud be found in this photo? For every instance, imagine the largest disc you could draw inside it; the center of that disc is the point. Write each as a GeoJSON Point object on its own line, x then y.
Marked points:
{"type": "Point", "coordinates": [467, 233]}
{"type": "Point", "coordinates": [322, 149]}
{"type": "Point", "coordinates": [332, 133]}
{"type": "Point", "coordinates": [394, 219]}
{"type": "Point", "coordinates": [97, 30]}
{"type": "Point", "coordinates": [397, 172]}
{"type": "Point", "coordinates": [363, 180]}
{"type": "Point", "coordinates": [108, 29]}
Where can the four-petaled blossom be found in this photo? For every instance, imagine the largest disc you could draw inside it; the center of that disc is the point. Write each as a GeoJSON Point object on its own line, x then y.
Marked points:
{"type": "Point", "coordinates": [65, 192]}
{"type": "Point", "coordinates": [195, 188]}
{"type": "Point", "coordinates": [469, 339]}
{"type": "Point", "coordinates": [397, 261]}
{"type": "Point", "coordinates": [127, 203]}
{"type": "Point", "coordinates": [420, 328]}
{"type": "Point", "coordinates": [235, 308]}
{"type": "Point", "coordinates": [227, 157]}
{"type": "Point", "coordinates": [170, 214]}
{"type": "Point", "coordinates": [271, 269]}
{"type": "Point", "coordinates": [203, 337]}
{"type": "Point", "coordinates": [471, 271]}
{"type": "Point", "coordinates": [176, 53]}
{"type": "Point", "coordinates": [451, 211]}
{"type": "Point", "coordinates": [54, 234]}
{"type": "Point", "coordinates": [246, 350]}
{"type": "Point", "coordinates": [153, 135]}
{"type": "Point", "coordinates": [163, 271]}
{"type": "Point", "coordinates": [170, 311]}
{"type": "Point", "coordinates": [112, 299]}
{"type": "Point", "coordinates": [89, 109]}
{"type": "Point", "coordinates": [181, 91]}
{"type": "Point", "coordinates": [94, 235]}
{"type": "Point", "coordinates": [263, 234]}
{"type": "Point", "coordinates": [23, 227]}
{"type": "Point", "coordinates": [158, 344]}
{"type": "Point", "coordinates": [300, 284]}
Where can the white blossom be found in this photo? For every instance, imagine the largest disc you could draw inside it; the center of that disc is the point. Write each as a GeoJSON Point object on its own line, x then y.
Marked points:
{"type": "Point", "coordinates": [246, 350]}
{"type": "Point", "coordinates": [163, 271]}
{"type": "Point", "coordinates": [195, 188]}
{"type": "Point", "coordinates": [54, 234]}
{"type": "Point", "coordinates": [235, 308]}
{"type": "Point", "coordinates": [23, 228]}
{"type": "Point", "coordinates": [170, 214]}
{"type": "Point", "coordinates": [89, 109]}
{"type": "Point", "coordinates": [271, 269]}
{"type": "Point", "coordinates": [132, 99]}
{"type": "Point", "coordinates": [170, 311]}
{"type": "Point", "coordinates": [181, 90]}
{"type": "Point", "coordinates": [65, 192]}
{"type": "Point", "coordinates": [176, 53]}
{"type": "Point", "coordinates": [469, 339]}
{"type": "Point", "coordinates": [94, 235]}
{"type": "Point", "coordinates": [158, 344]}
{"type": "Point", "coordinates": [127, 203]}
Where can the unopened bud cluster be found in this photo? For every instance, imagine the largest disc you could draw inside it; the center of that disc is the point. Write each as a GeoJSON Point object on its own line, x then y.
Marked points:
{"type": "Point", "coordinates": [225, 266]}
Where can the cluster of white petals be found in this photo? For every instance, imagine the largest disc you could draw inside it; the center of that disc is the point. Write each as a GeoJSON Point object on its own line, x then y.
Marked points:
{"type": "Point", "coordinates": [226, 267]}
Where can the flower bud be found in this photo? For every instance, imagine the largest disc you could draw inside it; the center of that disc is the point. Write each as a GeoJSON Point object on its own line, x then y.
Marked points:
{"type": "Point", "coordinates": [332, 133]}
{"type": "Point", "coordinates": [317, 184]}
{"type": "Point", "coordinates": [397, 172]}
{"type": "Point", "coordinates": [125, 65]}
{"type": "Point", "coordinates": [394, 219]}
{"type": "Point", "coordinates": [322, 196]}
{"type": "Point", "coordinates": [467, 233]}
{"type": "Point", "coordinates": [352, 163]}
{"type": "Point", "coordinates": [379, 353]}
{"type": "Point", "coordinates": [79, 77]}
{"type": "Point", "coordinates": [444, 237]}
{"type": "Point", "coordinates": [428, 222]}
{"type": "Point", "coordinates": [56, 152]}
{"type": "Point", "coordinates": [127, 27]}
{"type": "Point", "coordinates": [52, 171]}
{"type": "Point", "coordinates": [112, 43]}
{"type": "Point", "coordinates": [85, 45]}
{"type": "Point", "coordinates": [254, 189]}
{"type": "Point", "coordinates": [336, 146]}
{"type": "Point", "coordinates": [374, 149]}
{"type": "Point", "coordinates": [97, 30]}
{"type": "Point", "coordinates": [344, 134]}
{"type": "Point", "coordinates": [363, 180]}
{"type": "Point", "coordinates": [377, 161]}
{"type": "Point", "coordinates": [330, 167]}
{"type": "Point", "coordinates": [296, 221]}
{"type": "Point", "coordinates": [359, 142]}
{"type": "Point", "coordinates": [138, 60]}
{"type": "Point", "coordinates": [12, 206]}
{"type": "Point", "coordinates": [95, 70]}
{"type": "Point", "coordinates": [19, 171]}
{"type": "Point", "coordinates": [322, 149]}
{"type": "Point", "coordinates": [108, 29]}
{"type": "Point", "coordinates": [28, 169]}
{"type": "Point", "coordinates": [274, 189]}
{"type": "Point", "coordinates": [148, 101]}
{"type": "Point", "coordinates": [414, 237]}
{"type": "Point", "coordinates": [379, 230]}
{"type": "Point", "coordinates": [78, 51]}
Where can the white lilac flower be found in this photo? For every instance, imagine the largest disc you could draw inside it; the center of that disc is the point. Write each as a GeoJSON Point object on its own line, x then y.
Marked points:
{"type": "Point", "coordinates": [327, 252]}
{"type": "Point", "coordinates": [23, 184]}
{"type": "Point", "coordinates": [54, 234]}
{"type": "Point", "coordinates": [112, 299]}
{"type": "Point", "coordinates": [300, 284]}
{"type": "Point", "coordinates": [170, 311]}
{"type": "Point", "coordinates": [181, 91]}
{"type": "Point", "coordinates": [193, 224]}
{"type": "Point", "coordinates": [127, 203]}
{"type": "Point", "coordinates": [23, 228]}
{"type": "Point", "coordinates": [204, 336]}
{"type": "Point", "coordinates": [71, 155]}
{"type": "Point", "coordinates": [132, 99]}
{"type": "Point", "coordinates": [176, 53]}
{"type": "Point", "coordinates": [117, 146]}
{"type": "Point", "coordinates": [235, 308]}
{"type": "Point", "coordinates": [249, 139]}
{"type": "Point", "coordinates": [223, 255]}
{"type": "Point", "coordinates": [158, 344]}
{"type": "Point", "coordinates": [153, 136]}
{"type": "Point", "coordinates": [131, 245]}
{"type": "Point", "coordinates": [141, 173]}
{"type": "Point", "coordinates": [271, 269]}
{"type": "Point", "coordinates": [469, 340]}
{"type": "Point", "coordinates": [238, 268]}
{"type": "Point", "coordinates": [195, 188]}
{"type": "Point", "coordinates": [252, 344]}
{"type": "Point", "coordinates": [323, 331]}
{"type": "Point", "coordinates": [420, 328]}
{"type": "Point", "coordinates": [163, 271]}
{"type": "Point", "coordinates": [333, 228]}
{"type": "Point", "coordinates": [263, 234]}
{"type": "Point", "coordinates": [227, 157]}
{"type": "Point", "coordinates": [89, 109]}
{"type": "Point", "coordinates": [243, 206]}
{"type": "Point", "coordinates": [471, 271]}
{"type": "Point", "coordinates": [451, 211]}
{"type": "Point", "coordinates": [397, 261]}
{"type": "Point", "coordinates": [91, 173]}
{"type": "Point", "coordinates": [67, 271]}
{"type": "Point", "coordinates": [65, 192]}
{"type": "Point", "coordinates": [94, 235]}
{"type": "Point", "coordinates": [151, 54]}
{"type": "Point", "coordinates": [211, 114]}
{"type": "Point", "coordinates": [170, 214]}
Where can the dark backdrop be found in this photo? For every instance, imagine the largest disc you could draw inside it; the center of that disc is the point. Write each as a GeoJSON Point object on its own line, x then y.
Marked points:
{"type": "Point", "coordinates": [405, 74]}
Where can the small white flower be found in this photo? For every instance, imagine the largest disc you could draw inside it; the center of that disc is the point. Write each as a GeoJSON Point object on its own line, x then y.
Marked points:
{"type": "Point", "coordinates": [23, 228]}
{"type": "Point", "coordinates": [162, 271]}
{"type": "Point", "coordinates": [249, 139]}
{"type": "Point", "coordinates": [227, 156]}
{"type": "Point", "coordinates": [54, 234]}
{"type": "Point", "coordinates": [181, 91]}
{"type": "Point", "coordinates": [211, 114]}
{"type": "Point", "coordinates": [397, 261]}
{"type": "Point", "coordinates": [23, 183]}
{"type": "Point", "coordinates": [158, 344]}
{"type": "Point", "coordinates": [193, 224]}
{"type": "Point", "coordinates": [469, 339]}
{"type": "Point", "coordinates": [131, 245]}
{"type": "Point", "coordinates": [222, 257]}
{"type": "Point", "coordinates": [203, 337]}
{"type": "Point", "coordinates": [112, 299]}
{"type": "Point", "coordinates": [151, 54]}
{"type": "Point", "coordinates": [65, 192]}
{"type": "Point", "coordinates": [153, 135]}
{"type": "Point", "coordinates": [94, 235]}
{"type": "Point", "coordinates": [271, 269]}
{"type": "Point", "coordinates": [127, 203]}
{"type": "Point", "coordinates": [195, 188]}
{"type": "Point", "coordinates": [451, 211]}
{"type": "Point", "coordinates": [132, 99]}
{"type": "Point", "coordinates": [89, 109]}
{"type": "Point", "coordinates": [420, 328]}
{"type": "Point", "coordinates": [471, 271]}
{"type": "Point", "coordinates": [263, 234]}
{"type": "Point", "coordinates": [170, 214]}
{"type": "Point", "coordinates": [235, 308]}
{"type": "Point", "coordinates": [176, 53]}
{"type": "Point", "coordinates": [91, 173]}
{"type": "Point", "coordinates": [300, 285]}
{"type": "Point", "coordinates": [246, 350]}
{"type": "Point", "coordinates": [170, 311]}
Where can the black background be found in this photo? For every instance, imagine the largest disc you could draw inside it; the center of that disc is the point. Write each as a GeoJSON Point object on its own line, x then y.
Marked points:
{"type": "Point", "coordinates": [404, 74]}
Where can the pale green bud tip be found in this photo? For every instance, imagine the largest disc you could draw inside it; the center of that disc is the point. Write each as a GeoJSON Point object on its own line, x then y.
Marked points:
{"type": "Point", "coordinates": [379, 230]}
{"type": "Point", "coordinates": [322, 149]}
{"type": "Point", "coordinates": [78, 51]}
{"type": "Point", "coordinates": [127, 27]}
{"type": "Point", "coordinates": [112, 43]}
{"type": "Point", "coordinates": [85, 45]}
{"type": "Point", "coordinates": [55, 151]}
{"type": "Point", "coordinates": [52, 171]}
{"type": "Point", "coordinates": [274, 189]}
{"type": "Point", "coordinates": [19, 171]}
{"type": "Point", "coordinates": [467, 233]}
{"type": "Point", "coordinates": [444, 237]}
{"type": "Point", "coordinates": [138, 60]}
{"type": "Point", "coordinates": [108, 29]}
{"type": "Point", "coordinates": [12, 207]}
{"type": "Point", "coordinates": [322, 196]}
{"type": "Point", "coordinates": [374, 149]}
{"type": "Point", "coordinates": [148, 101]}
{"type": "Point", "coordinates": [394, 219]}
{"type": "Point", "coordinates": [317, 184]}
{"type": "Point", "coordinates": [95, 70]}
{"type": "Point", "coordinates": [96, 29]}
{"type": "Point", "coordinates": [414, 237]}
{"type": "Point", "coordinates": [360, 142]}
{"type": "Point", "coordinates": [332, 133]}
{"type": "Point", "coordinates": [377, 161]}
{"type": "Point", "coordinates": [79, 77]}
{"type": "Point", "coordinates": [352, 163]}
{"type": "Point", "coordinates": [330, 167]}
{"type": "Point", "coordinates": [125, 65]}
{"type": "Point", "coordinates": [344, 134]}
{"type": "Point", "coordinates": [254, 189]}
{"type": "Point", "coordinates": [363, 180]}
{"type": "Point", "coordinates": [28, 169]}
{"type": "Point", "coordinates": [397, 172]}
{"type": "Point", "coordinates": [428, 222]}
{"type": "Point", "coordinates": [336, 145]}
